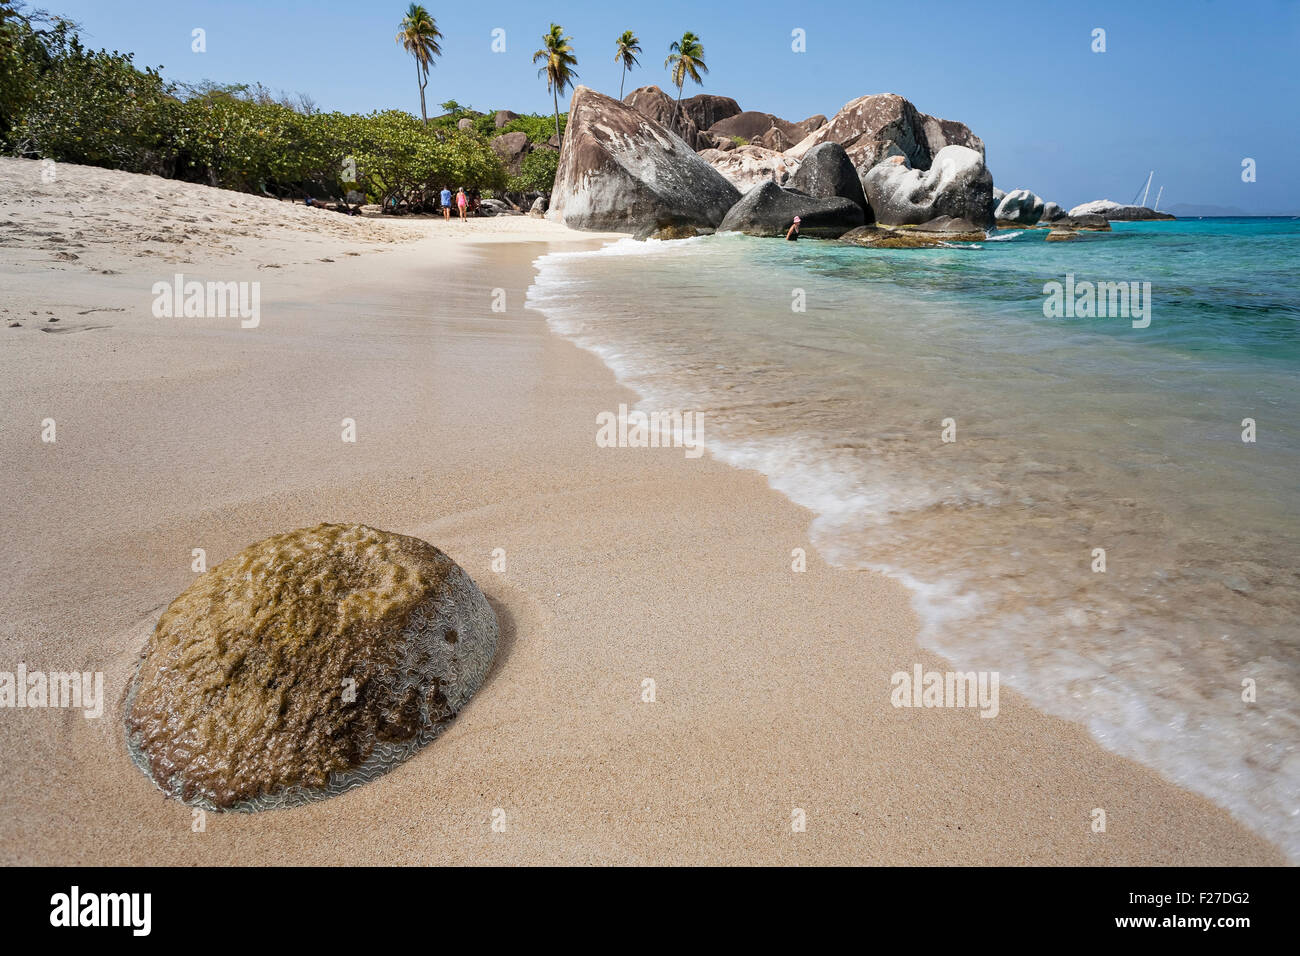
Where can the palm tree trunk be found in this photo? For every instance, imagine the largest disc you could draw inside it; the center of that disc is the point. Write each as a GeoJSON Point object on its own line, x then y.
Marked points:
{"type": "Point", "coordinates": [622, 81]}
{"type": "Point", "coordinates": [555, 96]}
{"type": "Point", "coordinates": [419, 80]}
{"type": "Point", "coordinates": [677, 107]}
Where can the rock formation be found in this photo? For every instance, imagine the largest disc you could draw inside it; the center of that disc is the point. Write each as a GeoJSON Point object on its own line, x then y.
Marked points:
{"type": "Point", "coordinates": [512, 148]}
{"type": "Point", "coordinates": [747, 166]}
{"type": "Point", "coordinates": [624, 172]}
{"type": "Point", "coordinates": [751, 126]}
{"type": "Point", "coordinates": [706, 109]}
{"type": "Point", "coordinates": [1117, 212]}
{"type": "Point", "coordinates": [652, 102]}
{"type": "Point", "coordinates": [827, 171]}
{"type": "Point", "coordinates": [768, 210]}
{"type": "Point", "coordinates": [874, 128]}
{"type": "Point", "coordinates": [957, 185]}
{"type": "Point", "coordinates": [1019, 207]}
{"type": "Point", "coordinates": [812, 123]}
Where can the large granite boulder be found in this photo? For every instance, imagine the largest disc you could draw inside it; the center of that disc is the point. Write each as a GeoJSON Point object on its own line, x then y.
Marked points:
{"type": "Point", "coordinates": [957, 185]}
{"type": "Point", "coordinates": [1051, 212]}
{"type": "Point", "coordinates": [503, 117]}
{"type": "Point", "coordinates": [538, 208]}
{"type": "Point", "coordinates": [1019, 207]}
{"type": "Point", "coordinates": [512, 148]}
{"type": "Point", "coordinates": [768, 210]}
{"type": "Point", "coordinates": [751, 126]}
{"type": "Point", "coordinates": [747, 166]}
{"type": "Point", "coordinates": [705, 109]}
{"type": "Point", "coordinates": [654, 103]}
{"type": "Point", "coordinates": [465, 124]}
{"type": "Point", "coordinates": [775, 138]}
{"type": "Point", "coordinates": [875, 128]}
{"type": "Point", "coordinates": [305, 665]}
{"type": "Point", "coordinates": [812, 123]}
{"type": "Point", "coordinates": [714, 141]}
{"type": "Point", "coordinates": [826, 170]}
{"type": "Point", "coordinates": [1117, 212]}
{"type": "Point", "coordinates": [623, 172]}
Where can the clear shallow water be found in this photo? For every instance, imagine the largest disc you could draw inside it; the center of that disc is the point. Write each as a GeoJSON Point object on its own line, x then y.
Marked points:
{"type": "Point", "coordinates": [1072, 434]}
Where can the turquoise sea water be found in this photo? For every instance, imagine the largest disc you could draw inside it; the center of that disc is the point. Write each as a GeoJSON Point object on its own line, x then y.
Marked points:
{"type": "Point", "coordinates": [1072, 434]}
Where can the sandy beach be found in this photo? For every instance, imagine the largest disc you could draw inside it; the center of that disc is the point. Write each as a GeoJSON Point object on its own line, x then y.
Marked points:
{"type": "Point", "coordinates": [475, 431]}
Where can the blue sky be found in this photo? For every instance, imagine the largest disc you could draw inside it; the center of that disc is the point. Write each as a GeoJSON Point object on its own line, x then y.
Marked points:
{"type": "Point", "coordinates": [1187, 87]}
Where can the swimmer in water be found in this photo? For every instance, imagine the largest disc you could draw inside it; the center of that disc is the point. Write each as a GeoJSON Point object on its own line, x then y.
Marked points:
{"type": "Point", "coordinates": [793, 234]}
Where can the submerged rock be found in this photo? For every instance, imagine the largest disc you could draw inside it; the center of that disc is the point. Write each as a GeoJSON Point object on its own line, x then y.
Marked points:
{"type": "Point", "coordinates": [305, 665]}
{"type": "Point", "coordinates": [1090, 222]}
{"type": "Point", "coordinates": [624, 172]}
{"type": "Point", "coordinates": [768, 210]}
{"type": "Point", "coordinates": [876, 237]}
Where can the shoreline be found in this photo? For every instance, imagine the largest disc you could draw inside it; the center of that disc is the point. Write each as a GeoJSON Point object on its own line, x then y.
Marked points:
{"type": "Point", "coordinates": [477, 432]}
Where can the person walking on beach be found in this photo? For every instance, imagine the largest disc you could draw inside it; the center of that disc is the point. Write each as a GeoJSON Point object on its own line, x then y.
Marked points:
{"type": "Point", "coordinates": [445, 198]}
{"type": "Point", "coordinates": [793, 233]}
{"type": "Point", "coordinates": [461, 202]}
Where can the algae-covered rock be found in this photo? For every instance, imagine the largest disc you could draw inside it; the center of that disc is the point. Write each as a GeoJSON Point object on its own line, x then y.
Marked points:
{"type": "Point", "coordinates": [306, 664]}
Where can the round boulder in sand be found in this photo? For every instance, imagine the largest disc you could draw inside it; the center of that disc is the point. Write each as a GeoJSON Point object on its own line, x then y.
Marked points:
{"type": "Point", "coordinates": [305, 665]}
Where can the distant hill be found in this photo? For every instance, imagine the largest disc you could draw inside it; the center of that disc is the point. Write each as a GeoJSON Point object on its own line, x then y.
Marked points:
{"type": "Point", "coordinates": [1191, 210]}
{"type": "Point", "coordinates": [1186, 209]}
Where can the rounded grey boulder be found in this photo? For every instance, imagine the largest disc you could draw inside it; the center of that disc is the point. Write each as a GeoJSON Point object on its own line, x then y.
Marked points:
{"type": "Point", "coordinates": [768, 210]}
{"type": "Point", "coordinates": [1021, 207]}
{"type": "Point", "coordinates": [827, 171]}
{"type": "Point", "coordinates": [957, 184]}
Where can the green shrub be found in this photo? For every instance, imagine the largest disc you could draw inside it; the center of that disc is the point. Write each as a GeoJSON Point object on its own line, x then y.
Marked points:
{"type": "Point", "coordinates": [536, 172]}
{"type": "Point", "coordinates": [61, 101]}
{"type": "Point", "coordinates": [92, 107]}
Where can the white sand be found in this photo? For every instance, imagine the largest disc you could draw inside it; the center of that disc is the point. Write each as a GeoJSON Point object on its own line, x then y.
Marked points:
{"type": "Point", "coordinates": [475, 432]}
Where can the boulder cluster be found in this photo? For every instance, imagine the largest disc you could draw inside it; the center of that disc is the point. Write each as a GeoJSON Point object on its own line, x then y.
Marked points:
{"type": "Point", "coordinates": [654, 166]}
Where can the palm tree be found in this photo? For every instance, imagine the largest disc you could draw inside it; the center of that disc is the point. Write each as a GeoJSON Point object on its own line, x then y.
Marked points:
{"type": "Point", "coordinates": [419, 37]}
{"type": "Point", "coordinates": [686, 57]}
{"type": "Point", "coordinates": [560, 61]}
{"type": "Point", "coordinates": [626, 47]}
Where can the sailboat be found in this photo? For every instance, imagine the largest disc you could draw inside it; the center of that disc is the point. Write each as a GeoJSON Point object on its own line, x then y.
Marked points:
{"type": "Point", "coordinates": [1144, 191]}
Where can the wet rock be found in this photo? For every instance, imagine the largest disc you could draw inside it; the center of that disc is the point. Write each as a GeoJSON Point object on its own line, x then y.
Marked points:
{"type": "Point", "coordinates": [304, 665]}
